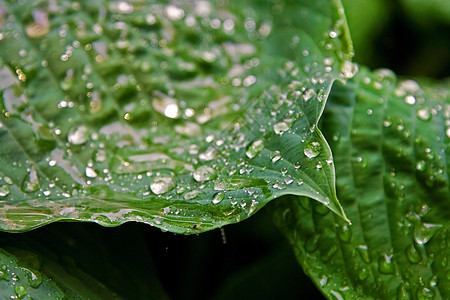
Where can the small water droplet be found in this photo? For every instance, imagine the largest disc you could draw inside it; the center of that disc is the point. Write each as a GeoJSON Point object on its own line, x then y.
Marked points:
{"type": "Point", "coordinates": [344, 233]}
{"type": "Point", "coordinates": [191, 195]}
{"type": "Point", "coordinates": [162, 184]}
{"type": "Point", "coordinates": [424, 114]}
{"type": "Point", "coordinates": [218, 197]}
{"type": "Point", "coordinates": [276, 156]}
{"type": "Point", "coordinates": [280, 127]}
{"type": "Point", "coordinates": [403, 292]}
{"type": "Point", "coordinates": [31, 181]}
{"type": "Point", "coordinates": [254, 148]}
{"type": "Point", "coordinates": [4, 190]}
{"type": "Point", "coordinates": [363, 251]}
{"type": "Point", "coordinates": [308, 94]}
{"type": "Point", "coordinates": [204, 173]}
{"type": "Point", "coordinates": [90, 172]}
{"type": "Point", "coordinates": [385, 264]}
{"type": "Point", "coordinates": [425, 293]}
{"type": "Point", "coordinates": [20, 291]}
{"type": "Point", "coordinates": [413, 254]}
{"type": "Point", "coordinates": [363, 273]}
{"type": "Point", "coordinates": [312, 149]}
{"type": "Point", "coordinates": [349, 69]}
{"type": "Point", "coordinates": [78, 135]}
{"type": "Point", "coordinates": [312, 243]}
{"type": "Point", "coordinates": [410, 99]}
{"type": "Point", "coordinates": [421, 165]}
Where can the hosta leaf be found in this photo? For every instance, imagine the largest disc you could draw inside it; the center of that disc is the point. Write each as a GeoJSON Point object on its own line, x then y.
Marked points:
{"type": "Point", "coordinates": [186, 116]}
{"type": "Point", "coordinates": [390, 141]}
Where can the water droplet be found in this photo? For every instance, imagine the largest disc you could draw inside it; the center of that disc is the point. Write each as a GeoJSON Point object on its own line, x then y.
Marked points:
{"type": "Point", "coordinates": [34, 277]}
{"type": "Point", "coordinates": [385, 264]}
{"type": "Point", "coordinates": [424, 232]}
{"type": "Point", "coordinates": [363, 251]}
{"type": "Point", "coordinates": [254, 148]}
{"type": "Point", "coordinates": [323, 282]}
{"type": "Point", "coordinates": [403, 292]}
{"type": "Point", "coordinates": [344, 233]}
{"type": "Point", "coordinates": [20, 291]}
{"type": "Point", "coordinates": [421, 165]}
{"type": "Point", "coordinates": [363, 273]}
{"type": "Point", "coordinates": [204, 173]}
{"type": "Point", "coordinates": [218, 197]}
{"type": "Point", "coordinates": [413, 254]}
{"type": "Point", "coordinates": [424, 114]}
{"type": "Point", "coordinates": [90, 172]}
{"type": "Point", "coordinates": [162, 184]}
{"type": "Point", "coordinates": [208, 155]}
{"type": "Point", "coordinates": [4, 190]}
{"type": "Point", "coordinates": [308, 94]}
{"type": "Point", "coordinates": [410, 99]}
{"type": "Point", "coordinates": [312, 149]}
{"type": "Point", "coordinates": [276, 156]}
{"type": "Point", "coordinates": [425, 294]}
{"type": "Point", "coordinates": [312, 243]}
{"type": "Point", "coordinates": [191, 195]}
{"type": "Point", "coordinates": [78, 135]}
{"type": "Point", "coordinates": [349, 69]}
{"type": "Point", "coordinates": [31, 181]}
{"type": "Point", "coordinates": [280, 127]}
{"type": "Point", "coordinates": [166, 106]}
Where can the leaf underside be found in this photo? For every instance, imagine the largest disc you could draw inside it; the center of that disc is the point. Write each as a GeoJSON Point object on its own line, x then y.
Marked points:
{"type": "Point", "coordinates": [186, 116]}
{"type": "Point", "coordinates": [390, 141]}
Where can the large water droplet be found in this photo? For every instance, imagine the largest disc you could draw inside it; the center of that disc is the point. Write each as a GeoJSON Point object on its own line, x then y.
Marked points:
{"type": "Point", "coordinates": [204, 173]}
{"type": "Point", "coordinates": [344, 233]}
{"type": "Point", "coordinates": [308, 94]}
{"type": "Point", "coordinates": [34, 277]}
{"type": "Point", "coordinates": [312, 149]}
{"type": "Point", "coordinates": [364, 253]}
{"type": "Point", "coordinates": [166, 106]}
{"type": "Point", "coordinates": [424, 232]}
{"type": "Point", "coordinates": [191, 195]}
{"type": "Point", "coordinates": [424, 114]}
{"type": "Point", "coordinates": [162, 184]}
{"type": "Point", "coordinates": [90, 172]}
{"type": "Point", "coordinates": [4, 190]}
{"type": "Point", "coordinates": [254, 148]}
{"type": "Point", "coordinates": [78, 135]}
{"type": "Point", "coordinates": [425, 293]}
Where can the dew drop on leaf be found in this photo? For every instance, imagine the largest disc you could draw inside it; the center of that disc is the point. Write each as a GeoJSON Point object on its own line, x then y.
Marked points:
{"type": "Point", "coordinates": [20, 291]}
{"type": "Point", "coordinates": [363, 251]}
{"type": "Point", "coordinates": [218, 197]}
{"type": "Point", "coordinates": [254, 148]}
{"type": "Point", "coordinates": [312, 149]}
{"type": "Point", "coordinates": [31, 182]}
{"type": "Point", "coordinates": [308, 94]}
{"type": "Point", "coordinates": [191, 195]}
{"type": "Point", "coordinates": [90, 172]}
{"type": "Point", "coordinates": [413, 254]}
{"type": "Point", "coordinates": [204, 173]}
{"type": "Point", "coordinates": [78, 135]}
{"type": "Point", "coordinates": [312, 243]}
{"type": "Point", "coordinates": [280, 127]}
{"type": "Point", "coordinates": [424, 114]}
{"type": "Point", "coordinates": [385, 264]}
{"type": "Point", "coordinates": [424, 232]}
{"type": "Point", "coordinates": [4, 190]}
{"type": "Point", "coordinates": [162, 184]}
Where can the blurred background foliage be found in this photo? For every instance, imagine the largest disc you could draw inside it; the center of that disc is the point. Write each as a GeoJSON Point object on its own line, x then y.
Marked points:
{"type": "Point", "coordinates": [137, 261]}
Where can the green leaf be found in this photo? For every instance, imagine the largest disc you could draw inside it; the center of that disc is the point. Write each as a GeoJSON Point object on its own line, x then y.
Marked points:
{"type": "Point", "coordinates": [390, 141]}
{"type": "Point", "coordinates": [26, 275]}
{"type": "Point", "coordinates": [187, 117]}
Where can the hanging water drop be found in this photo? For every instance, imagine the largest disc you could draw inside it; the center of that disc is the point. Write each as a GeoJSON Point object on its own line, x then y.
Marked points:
{"type": "Point", "coordinates": [385, 264]}
{"type": "Point", "coordinates": [413, 254]}
{"type": "Point", "coordinates": [424, 232]}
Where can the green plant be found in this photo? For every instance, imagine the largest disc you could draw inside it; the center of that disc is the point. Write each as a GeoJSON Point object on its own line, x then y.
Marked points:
{"type": "Point", "coordinates": [194, 115]}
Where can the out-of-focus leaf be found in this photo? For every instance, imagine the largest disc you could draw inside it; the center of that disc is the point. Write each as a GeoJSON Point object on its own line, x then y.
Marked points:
{"type": "Point", "coordinates": [391, 144]}
{"type": "Point", "coordinates": [425, 11]}
{"type": "Point", "coordinates": [187, 116]}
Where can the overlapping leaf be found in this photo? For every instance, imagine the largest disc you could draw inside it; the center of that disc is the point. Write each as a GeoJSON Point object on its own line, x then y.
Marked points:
{"type": "Point", "coordinates": [186, 116]}
{"type": "Point", "coordinates": [390, 140]}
